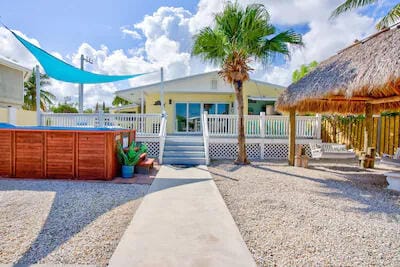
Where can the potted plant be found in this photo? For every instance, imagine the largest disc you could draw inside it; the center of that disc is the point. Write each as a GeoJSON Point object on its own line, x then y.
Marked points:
{"type": "Point", "coordinates": [129, 157]}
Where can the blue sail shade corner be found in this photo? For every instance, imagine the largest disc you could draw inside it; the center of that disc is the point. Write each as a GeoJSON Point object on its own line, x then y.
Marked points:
{"type": "Point", "coordinates": [62, 71]}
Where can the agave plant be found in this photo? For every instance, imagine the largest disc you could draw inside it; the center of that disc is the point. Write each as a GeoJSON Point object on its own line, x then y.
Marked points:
{"type": "Point", "coordinates": [131, 156]}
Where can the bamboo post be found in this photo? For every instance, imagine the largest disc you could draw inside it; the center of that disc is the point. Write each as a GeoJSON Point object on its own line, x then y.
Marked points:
{"type": "Point", "coordinates": [292, 136]}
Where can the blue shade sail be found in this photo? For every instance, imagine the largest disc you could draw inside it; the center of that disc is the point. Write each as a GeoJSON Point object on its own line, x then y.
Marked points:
{"type": "Point", "coordinates": [62, 71]}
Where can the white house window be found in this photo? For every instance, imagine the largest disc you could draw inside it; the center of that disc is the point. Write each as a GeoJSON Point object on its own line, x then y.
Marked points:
{"type": "Point", "coordinates": [216, 108]}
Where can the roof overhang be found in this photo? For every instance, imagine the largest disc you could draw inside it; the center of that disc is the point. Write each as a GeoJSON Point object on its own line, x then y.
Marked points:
{"type": "Point", "coordinates": [262, 98]}
{"type": "Point", "coordinates": [13, 65]}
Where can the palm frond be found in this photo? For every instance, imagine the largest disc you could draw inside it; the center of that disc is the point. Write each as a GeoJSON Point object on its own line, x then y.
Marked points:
{"type": "Point", "coordinates": [392, 17]}
{"type": "Point", "coordinates": [349, 5]}
{"type": "Point", "coordinates": [279, 44]}
{"type": "Point", "coordinates": [210, 45]}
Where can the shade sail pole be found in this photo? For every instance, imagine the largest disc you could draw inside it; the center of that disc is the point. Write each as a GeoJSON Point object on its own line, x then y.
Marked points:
{"type": "Point", "coordinates": [37, 81]}
{"type": "Point", "coordinates": [292, 136]}
{"type": "Point", "coordinates": [81, 89]}
{"type": "Point", "coordinates": [162, 91]}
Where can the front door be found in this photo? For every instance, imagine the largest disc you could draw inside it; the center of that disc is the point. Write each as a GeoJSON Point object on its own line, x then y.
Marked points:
{"type": "Point", "coordinates": [188, 117]}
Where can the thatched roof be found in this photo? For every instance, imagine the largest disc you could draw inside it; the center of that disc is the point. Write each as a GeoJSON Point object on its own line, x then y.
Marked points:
{"type": "Point", "coordinates": [366, 72]}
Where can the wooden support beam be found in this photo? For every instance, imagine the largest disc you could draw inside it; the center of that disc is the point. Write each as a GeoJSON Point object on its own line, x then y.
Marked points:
{"type": "Point", "coordinates": [292, 136]}
{"type": "Point", "coordinates": [368, 131]}
{"type": "Point", "coordinates": [385, 100]}
{"type": "Point", "coordinates": [343, 98]}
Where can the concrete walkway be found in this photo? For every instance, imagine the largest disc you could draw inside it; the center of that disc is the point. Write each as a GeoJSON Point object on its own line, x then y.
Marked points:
{"type": "Point", "coordinates": [182, 221]}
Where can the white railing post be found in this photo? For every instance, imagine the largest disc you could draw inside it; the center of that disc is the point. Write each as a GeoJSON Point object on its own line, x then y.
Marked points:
{"type": "Point", "coordinates": [162, 135]}
{"type": "Point", "coordinates": [262, 134]}
{"type": "Point", "coordinates": [206, 137]}
{"type": "Point", "coordinates": [318, 126]}
{"type": "Point", "coordinates": [101, 118]}
{"type": "Point", "coordinates": [262, 124]}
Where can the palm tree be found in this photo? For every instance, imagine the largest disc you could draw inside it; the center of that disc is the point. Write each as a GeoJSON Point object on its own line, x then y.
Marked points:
{"type": "Point", "coordinates": [241, 36]}
{"type": "Point", "coordinates": [303, 71]}
{"type": "Point", "coordinates": [46, 98]}
{"type": "Point", "coordinates": [389, 19]}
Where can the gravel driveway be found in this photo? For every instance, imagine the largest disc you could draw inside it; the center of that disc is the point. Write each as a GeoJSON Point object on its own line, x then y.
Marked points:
{"type": "Point", "coordinates": [330, 214]}
{"type": "Point", "coordinates": [62, 221]}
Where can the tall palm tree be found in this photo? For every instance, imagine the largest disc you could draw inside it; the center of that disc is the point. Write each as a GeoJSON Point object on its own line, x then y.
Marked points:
{"type": "Point", "coordinates": [240, 36]}
{"type": "Point", "coordinates": [46, 98]}
{"type": "Point", "coordinates": [389, 19]}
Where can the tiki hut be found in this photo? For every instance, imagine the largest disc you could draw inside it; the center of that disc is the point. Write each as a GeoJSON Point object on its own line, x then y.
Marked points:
{"type": "Point", "coordinates": [363, 78]}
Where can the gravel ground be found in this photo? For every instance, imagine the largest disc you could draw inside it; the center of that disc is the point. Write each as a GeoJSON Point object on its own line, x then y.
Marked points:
{"type": "Point", "coordinates": [58, 222]}
{"type": "Point", "coordinates": [330, 214]}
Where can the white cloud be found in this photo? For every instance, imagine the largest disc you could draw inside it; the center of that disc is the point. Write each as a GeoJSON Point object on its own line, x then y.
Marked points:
{"type": "Point", "coordinates": [167, 37]}
{"type": "Point", "coordinates": [132, 33]}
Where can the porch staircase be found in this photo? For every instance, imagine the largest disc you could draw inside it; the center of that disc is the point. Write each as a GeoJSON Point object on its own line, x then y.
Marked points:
{"type": "Point", "coordinates": [184, 150]}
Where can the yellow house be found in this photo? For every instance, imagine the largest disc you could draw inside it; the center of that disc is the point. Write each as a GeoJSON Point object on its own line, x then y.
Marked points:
{"type": "Point", "coordinates": [185, 99]}
{"type": "Point", "coordinates": [12, 77]}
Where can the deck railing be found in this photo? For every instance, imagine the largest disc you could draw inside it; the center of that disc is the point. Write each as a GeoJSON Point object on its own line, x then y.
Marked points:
{"type": "Point", "coordinates": [264, 126]}
{"type": "Point", "coordinates": [149, 125]}
{"type": "Point", "coordinates": [145, 125]}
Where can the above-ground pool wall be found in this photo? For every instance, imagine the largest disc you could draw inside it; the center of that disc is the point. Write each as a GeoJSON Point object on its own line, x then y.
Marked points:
{"type": "Point", "coordinates": [66, 154]}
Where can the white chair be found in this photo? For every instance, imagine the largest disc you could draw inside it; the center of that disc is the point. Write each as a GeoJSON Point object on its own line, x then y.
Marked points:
{"type": "Point", "coordinates": [393, 179]}
{"type": "Point", "coordinates": [330, 151]}
{"type": "Point", "coordinates": [393, 161]}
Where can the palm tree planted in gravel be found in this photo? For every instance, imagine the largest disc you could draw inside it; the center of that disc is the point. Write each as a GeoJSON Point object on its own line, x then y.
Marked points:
{"type": "Point", "coordinates": [46, 98]}
{"type": "Point", "coordinates": [241, 36]}
{"type": "Point", "coordinates": [393, 16]}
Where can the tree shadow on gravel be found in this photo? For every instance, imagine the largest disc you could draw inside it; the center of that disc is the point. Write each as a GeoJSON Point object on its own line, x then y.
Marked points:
{"type": "Point", "coordinates": [366, 189]}
{"type": "Point", "coordinates": [75, 206]}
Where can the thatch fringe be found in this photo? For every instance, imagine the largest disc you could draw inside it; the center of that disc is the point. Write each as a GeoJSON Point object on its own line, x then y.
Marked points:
{"type": "Point", "coordinates": [369, 68]}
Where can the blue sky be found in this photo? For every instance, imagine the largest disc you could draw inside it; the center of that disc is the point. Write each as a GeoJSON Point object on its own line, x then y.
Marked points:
{"type": "Point", "coordinates": [63, 27]}
{"type": "Point", "coordinates": [131, 36]}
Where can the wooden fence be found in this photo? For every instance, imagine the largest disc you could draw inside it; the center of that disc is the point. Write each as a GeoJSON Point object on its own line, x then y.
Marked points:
{"type": "Point", "coordinates": [350, 131]}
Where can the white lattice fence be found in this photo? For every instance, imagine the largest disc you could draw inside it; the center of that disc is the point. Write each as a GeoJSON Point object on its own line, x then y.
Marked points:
{"type": "Point", "coordinates": [153, 148]}
{"type": "Point", "coordinates": [230, 151]}
{"type": "Point", "coordinates": [276, 151]}
{"type": "Point", "coordinates": [271, 151]}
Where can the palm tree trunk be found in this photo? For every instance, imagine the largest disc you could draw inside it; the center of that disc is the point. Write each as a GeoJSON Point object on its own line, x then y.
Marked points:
{"type": "Point", "coordinates": [242, 155]}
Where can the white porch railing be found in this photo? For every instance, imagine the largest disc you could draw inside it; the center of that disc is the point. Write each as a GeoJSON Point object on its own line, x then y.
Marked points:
{"type": "Point", "coordinates": [162, 135]}
{"type": "Point", "coordinates": [145, 125]}
{"type": "Point", "coordinates": [206, 137]}
{"type": "Point", "coordinates": [263, 126]}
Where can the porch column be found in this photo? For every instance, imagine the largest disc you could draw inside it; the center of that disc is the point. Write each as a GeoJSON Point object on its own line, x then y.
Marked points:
{"type": "Point", "coordinates": [292, 136]}
{"type": "Point", "coordinates": [142, 103]}
{"type": "Point", "coordinates": [142, 111]}
{"type": "Point", "coordinates": [368, 127]}
{"type": "Point", "coordinates": [162, 91]}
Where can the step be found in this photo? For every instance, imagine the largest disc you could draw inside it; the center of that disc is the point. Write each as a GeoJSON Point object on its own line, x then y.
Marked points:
{"type": "Point", "coordinates": [183, 148]}
{"type": "Point", "coordinates": [184, 161]}
{"type": "Point", "coordinates": [184, 153]}
{"type": "Point", "coordinates": [184, 144]}
{"type": "Point", "coordinates": [184, 138]}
